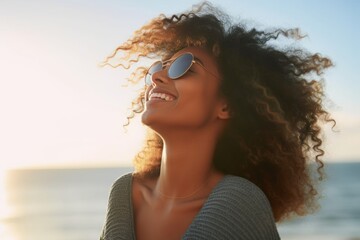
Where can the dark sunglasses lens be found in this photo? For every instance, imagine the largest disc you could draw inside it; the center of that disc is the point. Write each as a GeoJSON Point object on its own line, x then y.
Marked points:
{"type": "Point", "coordinates": [180, 66]}
{"type": "Point", "coordinates": [157, 66]}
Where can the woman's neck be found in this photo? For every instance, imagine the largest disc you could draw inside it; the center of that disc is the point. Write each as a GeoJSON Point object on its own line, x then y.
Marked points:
{"type": "Point", "coordinates": [186, 166]}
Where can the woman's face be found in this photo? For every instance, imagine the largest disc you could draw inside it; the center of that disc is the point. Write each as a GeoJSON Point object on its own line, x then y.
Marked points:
{"type": "Point", "coordinates": [191, 101]}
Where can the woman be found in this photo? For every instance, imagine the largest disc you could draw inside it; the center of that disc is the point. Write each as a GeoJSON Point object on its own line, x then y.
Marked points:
{"type": "Point", "coordinates": [233, 126]}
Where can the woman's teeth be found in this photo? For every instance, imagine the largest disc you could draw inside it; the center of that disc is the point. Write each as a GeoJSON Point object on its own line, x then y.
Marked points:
{"type": "Point", "coordinates": [162, 96]}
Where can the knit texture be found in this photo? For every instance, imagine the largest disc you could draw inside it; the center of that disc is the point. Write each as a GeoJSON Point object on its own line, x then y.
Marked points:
{"type": "Point", "coordinates": [235, 209]}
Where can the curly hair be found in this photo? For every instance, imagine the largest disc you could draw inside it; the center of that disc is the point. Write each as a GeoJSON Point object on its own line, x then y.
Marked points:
{"type": "Point", "coordinates": [275, 95]}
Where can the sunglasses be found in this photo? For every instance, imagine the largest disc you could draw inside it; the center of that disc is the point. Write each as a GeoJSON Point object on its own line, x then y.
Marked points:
{"type": "Point", "coordinates": [177, 68]}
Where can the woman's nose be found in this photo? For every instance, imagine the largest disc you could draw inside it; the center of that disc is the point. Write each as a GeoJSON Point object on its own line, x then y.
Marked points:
{"type": "Point", "coordinates": [160, 77]}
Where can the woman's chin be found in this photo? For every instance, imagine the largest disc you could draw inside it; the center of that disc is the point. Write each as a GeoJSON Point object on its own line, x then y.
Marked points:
{"type": "Point", "coordinates": [148, 118]}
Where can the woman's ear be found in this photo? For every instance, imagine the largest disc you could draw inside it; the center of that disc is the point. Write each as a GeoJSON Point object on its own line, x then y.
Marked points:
{"type": "Point", "coordinates": [224, 112]}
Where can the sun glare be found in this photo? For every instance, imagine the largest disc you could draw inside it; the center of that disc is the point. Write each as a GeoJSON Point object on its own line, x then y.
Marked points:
{"type": "Point", "coordinates": [5, 210]}
{"type": "Point", "coordinates": [3, 203]}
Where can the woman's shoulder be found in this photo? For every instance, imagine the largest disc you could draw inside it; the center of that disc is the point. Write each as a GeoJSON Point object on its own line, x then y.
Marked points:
{"type": "Point", "coordinates": [119, 213]}
{"type": "Point", "coordinates": [121, 186]}
{"type": "Point", "coordinates": [123, 180]}
{"type": "Point", "coordinates": [240, 199]}
{"type": "Point", "coordinates": [239, 189]}
{"type": "Point", "coordinates": [236, 209]}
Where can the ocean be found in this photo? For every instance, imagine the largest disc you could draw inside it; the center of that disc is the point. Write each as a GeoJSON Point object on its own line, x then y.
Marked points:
{"type": "Point", "coordinates": [70, 204]}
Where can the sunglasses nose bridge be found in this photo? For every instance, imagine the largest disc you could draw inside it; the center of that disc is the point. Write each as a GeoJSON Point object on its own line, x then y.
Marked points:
{"type": "Point", "coordinates": [160, 76]}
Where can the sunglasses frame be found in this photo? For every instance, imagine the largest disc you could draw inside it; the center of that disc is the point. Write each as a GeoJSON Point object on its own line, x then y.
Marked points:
{"type": "Point", "coordinates": [164, 65]}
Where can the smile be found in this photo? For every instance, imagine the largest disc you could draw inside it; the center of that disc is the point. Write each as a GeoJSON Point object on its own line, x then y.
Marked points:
{"type": "Point", "coordinates": [161, 96]}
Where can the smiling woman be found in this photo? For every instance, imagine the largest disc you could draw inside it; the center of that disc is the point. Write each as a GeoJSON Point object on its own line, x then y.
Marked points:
{"type": "Point", "coordinates": [234, 123]}
{"type": "Point", "coordinates": [193, 96]}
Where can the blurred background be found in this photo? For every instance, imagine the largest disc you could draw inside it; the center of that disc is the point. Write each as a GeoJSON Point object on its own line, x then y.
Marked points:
{"type": "Point", "coordinates": [62, 141]}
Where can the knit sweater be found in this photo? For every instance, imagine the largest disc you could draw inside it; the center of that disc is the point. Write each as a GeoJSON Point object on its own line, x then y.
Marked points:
{"type": "Point", "coordinates": [235, 209]}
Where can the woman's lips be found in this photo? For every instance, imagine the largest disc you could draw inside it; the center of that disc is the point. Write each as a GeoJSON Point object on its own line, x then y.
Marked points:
{"type": "Point", "coordinates": [161, 95]}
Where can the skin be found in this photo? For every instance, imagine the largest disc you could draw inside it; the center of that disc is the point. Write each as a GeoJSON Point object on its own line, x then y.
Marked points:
{"type": "Point", "coordinates": [189, 126]}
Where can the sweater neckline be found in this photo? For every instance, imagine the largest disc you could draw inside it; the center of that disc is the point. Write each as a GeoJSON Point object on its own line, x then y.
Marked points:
{"type": "Point", "coordinates": [196, 216]}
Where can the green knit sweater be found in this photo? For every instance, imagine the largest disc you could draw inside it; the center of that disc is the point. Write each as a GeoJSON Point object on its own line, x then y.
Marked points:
{"type": "Point", "coordinates": [235, 209]}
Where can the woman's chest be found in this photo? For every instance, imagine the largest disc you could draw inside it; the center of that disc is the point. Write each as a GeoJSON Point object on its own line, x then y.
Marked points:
{"type": "Point", "coordinates": [164, 220]}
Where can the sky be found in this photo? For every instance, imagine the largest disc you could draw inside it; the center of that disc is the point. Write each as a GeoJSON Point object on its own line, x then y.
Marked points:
{"type": "Point", "coordinates": [59, 109]}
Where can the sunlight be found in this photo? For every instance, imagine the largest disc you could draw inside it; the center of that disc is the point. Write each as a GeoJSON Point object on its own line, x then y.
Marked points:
{"type": "Point", "coordinates": [5, 210]}
{"type": "Point", "coordinates": [56, 112]}
{"type": "Point", "coordinates": [59, 109]}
